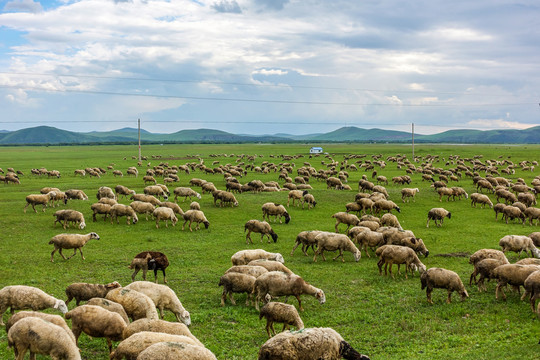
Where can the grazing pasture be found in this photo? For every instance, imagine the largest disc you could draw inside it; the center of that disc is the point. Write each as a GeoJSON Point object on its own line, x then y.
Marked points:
{"type": "Point", "coordinates": [381, 317]}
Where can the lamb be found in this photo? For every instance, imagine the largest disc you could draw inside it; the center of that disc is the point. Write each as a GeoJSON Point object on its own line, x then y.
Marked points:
{"type": "Point", "coordinates": [156, 191]}
{"type": "Point", "coordinates": [277, 283]}
{"type": "Point", "coordinates": [261, 227]}
{"type": "Point", "coordinates": [96, 321]}
{"type": "Point", "coordinates": [71, 241]}
{"type": "Point", "coordinates": [136, 304]}
{"type": "Point", "coordinates": [307, 239]}
{"type": "Point", "coordinates": [485, 268]}
{"type": "Point", "coordinates": [165, 213]}
{"type": "Point", "coordinates": [105, 191]}
{"type": "Point", "coordinates": [369, 238]}
{"type": "Point", "coordinates": [123, 190]}
{"type": "Point", "coordinates": [123, 210]}
{"type": "Point", "coordinates": [111, 306]}
{"type": "Point", "coordinates": [99, 208]}
{"type": "Point", "coordinates": [20, 297]}
{"type": "Point", "coordinates": [281, 313]}
{"type": "Point", "coordinates": [408, 192]}
{"type": "Point", "coordinates": [39, 199]}
{"type": "Point", "coordinates": [243, 257]}
{"type": "Point", "coordinates": [345, 218]}
{"type": "Point", "coordinates": [55, 319]}
{"type": "Point", "coordinates": [270, 265]}
{"type": "Point", "coordinates": [150, 260]}
{"type": "Point", "coordinates": [253, 270]}
{"type": "Point", "coordinates": [131, 347]}
{"type": "Point", "coordinates": [236, 283]}
{"type": "Point", "coordinates": [333, 242]}
{"type": "Point", "coordinates": [163, 298]}
{"type": "Point", "coordinates": [518, 244]}
{"type": "Point", "coordinates": [175, 350]}
{"type": "Point", "coordinates": [70, 216]}
{"type": "Point", "coordinates": [390, 220]}
{"type": "Point", "coordinates": [85, 291]}
{"type": "Point", "coordinates": [438, 214]}
{"type": "Point", "coordinates": [296, 195]}
{"type": "Point", "coordinates": [141, 207]}
{"type": "Point", "coordinates": [512, 212]}
{"type": "Point", "coordinates": [41, 337]}
{"type": "Point", "coordinates": [196, 216]}
{"type": "Point", "coordinates": [185, 192]}
{"type": "Point", "coordinates": [162, 326]}
{"type": "Point", "coordinates": [306, 344]}
{"type": "Point", "coordinates": [275, 210]}
{"type": "Point", "coordinates": [396, 254]}
{"type": "Point", "coordinates": [513, 274]}
{"type": "Point", "coordinates": [477, 198]}
{"type": "Point", "coordinates": [76, 194]}
{"type": "Point", "coordinates": [146, 198]}
{"type": "Point", "coordinates": [442, 279]}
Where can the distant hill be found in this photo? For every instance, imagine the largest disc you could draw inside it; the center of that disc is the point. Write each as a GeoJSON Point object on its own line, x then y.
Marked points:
{"type": "Point", "coordinates": [526, 136]}
{"type": "Point", "coordinates": [45, 135]}
{"type": "Point", "coordinates": [352, 133]}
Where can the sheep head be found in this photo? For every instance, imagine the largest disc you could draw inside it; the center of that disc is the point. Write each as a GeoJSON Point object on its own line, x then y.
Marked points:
{"type": "Point", "coordinates": [82, 225]}
{"type": "Point", "coordinates": [287, 217]}
{"type": "Point", "coordinates": [184, 317]}
{"type": "Point", "coordinates": [60, 305]}
{"type": "Point", "coordinates": [464, 294]}
{"type": "Point", "coordinates": [274, 236]}
{"type": "Point", "coordinates": [94, 235]}
{"type": "Point", "coordinates": [319, 295]}
{"type": "Point", "coordinates": [206, 224]}
{"type": "Point", "coordinates": [347, 352]}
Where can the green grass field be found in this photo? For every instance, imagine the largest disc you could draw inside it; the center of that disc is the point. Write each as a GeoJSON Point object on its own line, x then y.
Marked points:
{"type": "Point", "coordinates": [379, 316]}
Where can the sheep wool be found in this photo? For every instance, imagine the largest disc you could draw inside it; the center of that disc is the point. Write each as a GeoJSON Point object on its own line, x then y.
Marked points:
{"type": "Point", "coordinates": [156, 325]}
{"type": "Point", "coordinates": [131, 347]}
{"type": "Point", "coordinates": [176, 350]}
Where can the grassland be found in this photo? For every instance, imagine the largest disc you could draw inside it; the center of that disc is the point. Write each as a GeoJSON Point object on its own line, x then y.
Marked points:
{"type": "Point", "coordinates": [379, 316]}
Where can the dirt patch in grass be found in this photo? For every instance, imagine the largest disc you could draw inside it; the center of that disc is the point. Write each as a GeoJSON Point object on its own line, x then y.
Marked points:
{"type": "Point", "coordinates": [456, 254]}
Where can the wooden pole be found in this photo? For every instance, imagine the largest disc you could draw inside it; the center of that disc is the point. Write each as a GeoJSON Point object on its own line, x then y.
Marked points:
{"type": "Point", "coordinates": [412, 131]}
{"type": "Point", "coordinates": [139, 130]}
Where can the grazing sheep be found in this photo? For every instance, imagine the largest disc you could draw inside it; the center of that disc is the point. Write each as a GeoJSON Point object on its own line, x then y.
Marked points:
{"type": "Point", "coordinates": [224, 197]}
{"type": "Point", "coordinates": [444, 191]}
{"type": "Point", "coordinates": [513, 274]}
{"type": "Point", "coordinates": [165, 213]}
{"type": "Point", "coordinates": [123, 190]}
{"type": "Point", "coordinates": [532, 288]}
{"type": "Point", "coordinates": [71, 241]}
{"type": "Point", "coordinates": [196, 216]}
{"type": "Point", "coordinates": [390, 220]}
{"type": "Point", "coordinates": [396, 254]}
{"type": "Point", "coordinates": [146, 198]}
{"type": "Point", "coordinates": [69, 216]}
{"type": "Point", "coordinates": [275, 210]}
{"type": "Point", "coordinates": [107, 201]}
{"type": "Point", "coordinates": [385, 205]}
{"type": "Point", "coordinates": [310, 200]}
{"type": "Point", "coordinates": [412, 242]}
{"type": "Point", "coordinates": [76, 194]}
{"type": "Point", "coordinates": [123, 210]}
{"type": "Point", "coordinates": [485, 268]}
{"type": "Point", "coordinates": [345, 218]}
{"type": "Point", "coordinates": [442, 279]}
{"type": "Point", "coordinates": [244, 257]}
{"type": "Point", "coordinates": [174, 206]}
{"type": "Point", "coordinates": [532, 213]}
{"type": "Point", "coordinates": [164, 298]}
{"type": "Point", "coordinates": [280, 313]}
{"type": "Point", "coordinates": [55, 319]}
{"type": "Point", "coordinates": [513, 212]}
{"type": "Point", "coordinates": [334, 183]}
{"type": "Point", "coordinates": [253, 270]}
{"type": "Point", "coordinates": [150, 260]}
{"type": "Point", "coordinates": [96, 321]}
{"type": "Point", "coordinates": [41, 337]}
{"type": "Point", "coordinates": [131, 347]}
{"type": "Point", "coordinates": [307, 344]}
{"type": "Point", "coordinates": [99, 208]}
{"type": "Point", "coordinates": [39, 199]}
{"type": "Point", "coordinates": [477, 198]}
{"type": "Point", "coordinates": [136, 304]}
{"type": "Point", "coordinates": [141, 207]}
{"type": "Point", "coordinates": [527, 198]}
{"type": "Point", "coordinates": [488, 254]}
{"type": "Point", "coordinates": [111, 306]}
{"type": "Point", "coordinates": [307, 239]}
{"type": "Point", "coordinates": [185, 192]}
{"type": "Point", "coordinates": [535, 236]}
{"type": "Point", "coordinates": [156, 325]}
{"type": "Point", "coordinates": [261, 227]}
{"type": "Point", "coordinates": [105, 192]}
{"type": "Point", "coordinates": [156, 191]}
{"type": "Point", "coordinates": [270, 265]}
{"type": "Point", "coordinates": [194, 206]}
{"type": "Point", "coordinates": [333, 242]}
{"type": "Point", "coordinates": [368, 238]}
{"type": "Point", "coordinates": [149, 179]}
{"type": "Point", "coordinates": [296, 195]}
{"type": "Point", "coordinates": [408, 193]}
{"type": "Point", "coordinates": [518, 244]}
{"type": "Point", "coordinates": [438, 214]}
{"type": "Point", "coordinates": [20, 297]}
{"type": "Point", "coordinates": [85, 291]}
{"type": "Point", "coordinates": [236, 283]}
{"type": "Point", "coordinates": [277, 283]}
{"type": "Point", "coordinates": [499, 208]}
{"type": "Point", "coordinates": [175, 350]}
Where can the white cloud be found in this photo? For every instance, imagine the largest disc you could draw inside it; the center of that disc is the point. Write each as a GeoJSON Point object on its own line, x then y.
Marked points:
{"type": "Point", "coordinates": [499, 124]}
{"type": "Point", "coordinates": [269, 72]}
{"type": "Point", "coordinates": [23, 6]}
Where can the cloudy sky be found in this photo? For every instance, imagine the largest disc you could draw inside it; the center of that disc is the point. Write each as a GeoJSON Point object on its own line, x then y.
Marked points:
{"type": "Point", "coordinates": [269, 66]}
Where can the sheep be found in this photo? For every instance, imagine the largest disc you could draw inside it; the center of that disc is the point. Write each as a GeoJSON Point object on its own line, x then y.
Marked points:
{"type": "Point", "coordinates": [141, 207]}
{"type": "Point", "coordinates": [296, 195]}
{"type": "Point", "coordinates": [39, 199]}
{"type": "Point", "coordinates": [280, 313]}
{"type": "Point", "coordinates": [175, 350]}
{"type": "Point", "coordinates": [396, 254]}
{"type": "Point", "coordinates": [390, 220]}
{"type": "Point", "coordinates": [513, 212]}
{"type": "Point", "coordinates": [85, 291]}
{"type": "Point", "coordinates": [107, 201]}
{"type": "Point", "coordinates": [163, 298]}
{"type": "Point", "coordinates": [333, 242]}
{"type": "Point", "coordinates": [149, 179]}
{"type": "Point", "coordinates": [488, 254]}
{"type": "Point", "coordinates": [408, 192]}
{"type": "Point", "coordinates": [55, 319]}
{"type": "Point", "coordinates": [477, 198]}
{"type": "Point", "coordinates": [518, 244]}
{"type": "Point", "coordinates": [165, 213]}
{"type": "Point", "coordinates": [535, 236]}
{"type": "Point", "coordinates": [270, 265]}
{"type": "Point", "coordinates": [194, 206]}
{"type": "Point", "coordinates": [156, 191]}
{"type": "Point", "coordinates": [20, 297]}
{"type": "Point", "coordinates": [366, 204]}
{"type": "Point", "coordinates": [275, 210]}
{"type": "Point", "coordinates": [196, 216]}
{"type": "Point", "coordinates": [532, 288]}
{"type": "Point", "coordinates": [71, 241]}
{"type": "Point", "coordinates": [253, 270]}
{"type": "Point", "coordinates": [111, 306]}
{"type": "Point", "coordinates": [368, 238]}
{"type": "Point", "coordinates": [76, 194]}
{"type": "Point", "coordinates": [174, 206]}
{"type": "Point", "coordinates": [310, 343]}
{"type": "Point", "coordinates": [123, 210]}
{"type": "Point", "coordinates": [261, 227]}
{"type": "Point", "coordinates": [243, 257]}
{"type": "Point", "coordinates": [345, 218]}
{"type": "Point", "coordinates": [444, 191]}
{"type": "Point", "coordinates": [485, 268]}
{"type": "Point", "coordinates": [132, 171]}
{"type": "Point", "coordinates": [499, 208]}
{"type": "Point", "coordinates": [438, 214]}
{"type": "Point", "coordinates": [123, 190]}
{"type": "Point", "coordinates": [385, 205]}
{"type": "Point", "coordinates": [59, 195]}
{"type": "Point", "coordinates": [131, 347]}
{"type": "Point", "coordinates": [532, 213]}
{"type": "Point", "coordinates": [442, 279]}
{"type": "Point", "coordinates": [69, 216]}
{"type": "Point", "coordinates": [105, 191]}
{"type": "Point", "coordinates": [99, 208]}
{"type": "Point", "coordinates": [118, 173]}
{"type": "Point", "coordinates": [334, 183]}
{"type": "Point", "coordinates": [277, 283]}
{"type": "Point", "coordinates": [513, 274]}
{"type": "Point", "coordinates": [307, 239]}
{"type": "Point", "coordinates": [150, 260]}
{"type": "Point", "coordinates": [156, 325]}
{"type": "Point", "coordinates": [459, 192]}
{"type": "Point", "coordinates": [41, 337]}
{"type": "Point", "coordinates": [96, 321]}
{"type": "Point", "coordinates": [185, 192]}
{"type": "Point", "coordinates": [412, 242]}
{"type": "Point", "coordinates": [146, 198]}
{"type": "Point", "coordinates": [236, 283]}
{"type": "Point", "coordinates": [136, 304]}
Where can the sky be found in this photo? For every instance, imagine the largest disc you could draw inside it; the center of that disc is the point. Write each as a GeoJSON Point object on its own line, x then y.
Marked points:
{"type": "Point", "coordinates": [269, 66]}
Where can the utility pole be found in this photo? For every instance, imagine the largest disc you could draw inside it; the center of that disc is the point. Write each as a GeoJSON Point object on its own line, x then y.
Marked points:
{"type": "Point", "coordinates": [139, 127]}
{"type": "Point", "coordinates": [412, 132]}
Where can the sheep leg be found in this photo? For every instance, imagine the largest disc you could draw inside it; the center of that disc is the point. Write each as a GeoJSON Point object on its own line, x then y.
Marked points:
{"type": "Point", "coordinates": [299, 302]}
{"type": "Point", "coordinates": [80, 250]}
{"type": "Point", "coordinates": [184, 224]}
{"type": "Point", "coordinates": [379, 264]}
{"type": "Point", "coordinates": [144, 273]}
{"type": "Point", "coordinates": [340, 254]}
{"type": "Point", "coordinates": [268, 327]}
{"type": "Point", "coordinates": [109, 344]}
{"type": "Point", "coordinates": [93, 217]}
{"type": "Point", "coordinates": [164, 276]}
{"type": "Point", "coordinates": [223, 297]}
{"type": "Point", "coordinates": [336, 227]}
{"type": "Point", "coordinates": [60, 252]}
{"type": "Point", "coordinates": [449, 299]}
{"type": "Point", "coordinates": [157, 223]}
{"type": "Point", "coordinates": [74, 252]}
{"type": "Point", "coordinates": [427, 224]}
{"type": "Point", "coordinates": [232, 298]}
{"type": "Point", "coordinates": [533, 302]}
{"type": "Point", "coordinates": [134, 273]}
{"type": "Point", "coordinates": [429, 290]}
{"type": "Point", "coordinates": [295, 246]}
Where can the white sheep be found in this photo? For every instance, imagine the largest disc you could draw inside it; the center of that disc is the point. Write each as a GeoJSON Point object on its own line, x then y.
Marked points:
{"type": "Point", "coordinates": [310, 343]}
{"type": "Point", "coordinates": [174, 206]}
{"type": "Point", "coordinates": [85, 291]}
{"type": "Point", "coordinates": [131, 347]}
{"type": "Point", "coordinates": [164, 298]}
{"type": "Point", "coordinates": [477, 198]}
{"type": "Point", "coordinates": [396, 254]}
{"type": "Point", "coordinates": [175, 350]}
{"type": "Point", "coordinates": [310, 200]}
{"type": "Point", "coordinates": [76, 194]}
{"type": "Point", "coordinates": [41, 337]}
{"type": "Point", "coordinates": [243, 257]}
{"type": "Point", "coordinates": [136, 304]}
{"type": "Point", "coordinates": [368, 238]}
{"type": "Point", "coordinates": [408, 193]}
{"type": "Point", "coordinates": [333, 242]}
{"type": "Point", "coordinates": [69, 216]}
{"type": "Point", "coordinates": [145, 198]}
{"type": "Point", "coordinates": [156, 325]}
{"type": "Point", "coordinates": [100, 208]}
{"type": "Point", "coordinates": [280, 313]}
{"type": "Point", "coordinates": [234, 282]}
{"type": "Point", "coordinates": [345, 218]}
{"type": "Point", "coordinates": [270, 265]}
{"type": "Point", "coordinates": [261, 227]}
{"type": "Point", "coordinates": [185, 192]}
{"type": "Point", "coordinates": [442, 279]}
{"type": "Point", "coordinates": [518, 244]}
{"type": "Point", "coordinates": [253, 270]}
{"type": "Point", "coordinates": [513, 274]}
{"type": "Point", "coordinates": [156, 191]}
{"type": "Point", "coordinates": [438, 214]}
{"type": "Point", "coordinates": [55, 319]}
{"type": "Point", "coordinates": [105, 192]}
{"type": "Point", "coordinates": [123, 190]}
{"type": "Point", "coordinates": [39, 199]}
{"type": "Point", "coordinates": [123, 210]}
{"type": "Point", "coordinates": [71, 241]}
{"type": "Point", "coordinates": [111, 306]}
{"type": "Point", "coordinates": [275, 210]}
{"type": "Point", "coordinates": [165, 213]}
{"type": "Point", "coordinates": [196, 216]}
{"type": "Point", "coordinates": [295, 195]}
{"type": "Point", "coordinates": [389, 219]}
{"type": "Point", "coordinates": [141, 207]}
{"type": "Point", "coordinates": [307, 239]}
{"type": "Point", "coordinates": [20, 297]}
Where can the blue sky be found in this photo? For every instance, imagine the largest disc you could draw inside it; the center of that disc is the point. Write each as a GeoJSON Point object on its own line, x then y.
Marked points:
{"type": "Point", "coordinates": [269, 66]}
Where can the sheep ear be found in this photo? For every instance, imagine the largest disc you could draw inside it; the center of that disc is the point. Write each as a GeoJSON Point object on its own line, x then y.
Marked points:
{"type": "Point", "coordinates": [413, 240]}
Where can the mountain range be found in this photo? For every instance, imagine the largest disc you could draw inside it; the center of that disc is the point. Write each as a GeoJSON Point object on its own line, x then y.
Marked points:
{"type": "Point", "coordinates": [53, 136]}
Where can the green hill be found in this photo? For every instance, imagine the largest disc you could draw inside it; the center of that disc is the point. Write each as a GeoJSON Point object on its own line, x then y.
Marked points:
{"type": "Point", "coordinates": [526, 136]}
{"type": "Point", "coordinates": [46, 135]}
{"type": "Point", "coordinates": [351, 133]}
